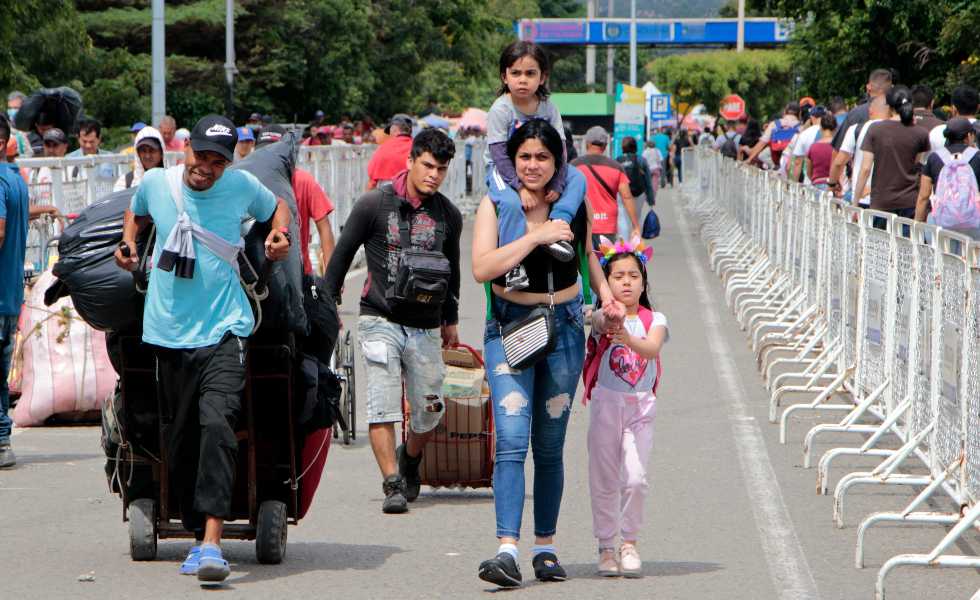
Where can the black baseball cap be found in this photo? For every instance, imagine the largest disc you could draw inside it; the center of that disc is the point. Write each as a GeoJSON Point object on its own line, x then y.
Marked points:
{"type": "Point", "coordinates": [957, 129]}
{"type": "Point", "coordinates": [215, 133]}
{"type": "Point", "coordinates": [269, 135]}
{"type": "Point", "coordinates": [55, 136]}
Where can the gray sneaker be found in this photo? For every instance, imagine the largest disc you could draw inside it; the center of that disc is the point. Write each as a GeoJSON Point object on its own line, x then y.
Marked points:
{"type": "Point", "coordinates": [7, 456]}
{"type": "Point", "coordinates": [394, 489]}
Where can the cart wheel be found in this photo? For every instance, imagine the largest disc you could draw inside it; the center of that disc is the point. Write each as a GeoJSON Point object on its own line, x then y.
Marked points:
{"type": "Point", "coordinates": [143, 529]}
{"type": "Point", "coordinates": [270, 532]}
{"type": "Point", "coordinates": [351, 388]}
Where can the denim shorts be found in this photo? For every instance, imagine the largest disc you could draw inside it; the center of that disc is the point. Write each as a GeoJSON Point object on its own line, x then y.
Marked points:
{"type": "Point", "coordinates": [393, 353]}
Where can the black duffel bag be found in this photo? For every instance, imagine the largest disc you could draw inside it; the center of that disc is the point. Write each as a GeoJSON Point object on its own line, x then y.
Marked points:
{"type": "Point", "coordinates": [323, 320]}
{"type": "Point", "coordinates": [102, 293]}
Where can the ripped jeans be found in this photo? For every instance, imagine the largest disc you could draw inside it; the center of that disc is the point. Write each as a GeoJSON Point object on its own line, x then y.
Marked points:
{"type": "Point", "coordinates": [531, 409]}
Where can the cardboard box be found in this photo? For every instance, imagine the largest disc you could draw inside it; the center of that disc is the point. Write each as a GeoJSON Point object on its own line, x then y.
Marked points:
{"type": "Point", "coordinates": [464, 418]}
{"type": "Point", "coordinates": [458, 462]}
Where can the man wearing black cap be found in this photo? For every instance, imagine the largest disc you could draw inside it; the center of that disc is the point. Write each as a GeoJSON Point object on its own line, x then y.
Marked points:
{"type": "Point", "coordinates": [391, 157]}
{"type": "Point", "coordinates": [197, 317]}
{"type": "Point", "coordinates": [960, 146]}
{"type": "Point", "coordinates": [55, 145]}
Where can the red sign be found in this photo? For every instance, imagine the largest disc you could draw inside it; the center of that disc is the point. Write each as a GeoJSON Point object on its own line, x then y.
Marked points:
{"type": "Point", "coordinates": [732, 107]}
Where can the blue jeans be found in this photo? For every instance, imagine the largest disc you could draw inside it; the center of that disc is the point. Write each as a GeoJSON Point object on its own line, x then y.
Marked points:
{"type": "Point", "coordinates": [511, 222]}
{"type": "Point", "coordinates": [531, 408]}
{"type": "Point", "coordinates": [8, 331]}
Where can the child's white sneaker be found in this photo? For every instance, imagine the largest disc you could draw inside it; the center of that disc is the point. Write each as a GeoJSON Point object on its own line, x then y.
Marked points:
{"type": "Point", "coordinates": [629, 561]}
{"type": "Point", "coordinates": [608, 565]}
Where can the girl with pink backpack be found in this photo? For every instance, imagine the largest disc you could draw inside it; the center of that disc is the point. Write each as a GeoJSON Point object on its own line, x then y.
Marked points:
{"type": "Point", "coordinates": [621, 373]}
{"type": "Point", "coordinates": [948, 192]}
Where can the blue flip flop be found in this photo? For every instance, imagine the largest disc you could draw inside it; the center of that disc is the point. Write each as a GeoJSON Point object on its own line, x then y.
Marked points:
{"type": "Point", "coordinates": [212, 568]}
{"type": "Point", "coordinates": [190, 564]}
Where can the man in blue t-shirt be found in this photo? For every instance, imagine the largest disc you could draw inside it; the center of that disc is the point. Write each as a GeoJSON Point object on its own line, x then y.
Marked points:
{"type": "Point", "coordinates": [13, 244]}
{"type": "Point", "coordinates": [197, 316]}
{"type": "Point", "coordinates": [15, 211]}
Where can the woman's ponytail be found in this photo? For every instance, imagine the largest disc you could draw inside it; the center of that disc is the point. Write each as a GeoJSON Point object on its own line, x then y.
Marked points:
{"type": "Point", "coordinates": [899, 98]}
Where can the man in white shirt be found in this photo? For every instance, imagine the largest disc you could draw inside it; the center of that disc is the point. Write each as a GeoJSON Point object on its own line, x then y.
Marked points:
{"type": "Point", "coordinates": [804, 140]}
{"type": "Point", "coordinates": [965, 101]}
{"type": "Point", "coordinates": [851, 148]}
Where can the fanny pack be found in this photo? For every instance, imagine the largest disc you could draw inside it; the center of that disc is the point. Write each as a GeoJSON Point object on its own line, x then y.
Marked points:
{"type": "Point", "coordinates": [422, 278]}
{"type": "Point", "coordinates": [528, 340]}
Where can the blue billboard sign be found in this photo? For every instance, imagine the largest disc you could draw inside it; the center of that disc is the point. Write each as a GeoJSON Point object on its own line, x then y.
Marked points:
{"type": "Point", "coordinates": [678, 32]}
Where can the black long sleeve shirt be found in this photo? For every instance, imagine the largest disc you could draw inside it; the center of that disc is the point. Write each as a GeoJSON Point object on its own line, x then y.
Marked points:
{"type": "Point", "coordinates": [373, 223]}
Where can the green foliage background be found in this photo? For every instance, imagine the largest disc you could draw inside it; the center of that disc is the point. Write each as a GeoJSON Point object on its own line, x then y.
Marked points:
{"type": "Point", "coordinates": [345, 57]}
{"type": "Point", "coordinates": [357, 58]}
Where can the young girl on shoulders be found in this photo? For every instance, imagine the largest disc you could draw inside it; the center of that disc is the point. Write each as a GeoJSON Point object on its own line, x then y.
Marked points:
{"type": "Point", "coordinates": [523, 96]}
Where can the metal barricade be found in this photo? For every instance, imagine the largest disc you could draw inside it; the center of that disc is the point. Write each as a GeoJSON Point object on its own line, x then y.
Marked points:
{"type": "Point", "coordinates": [891, 315]}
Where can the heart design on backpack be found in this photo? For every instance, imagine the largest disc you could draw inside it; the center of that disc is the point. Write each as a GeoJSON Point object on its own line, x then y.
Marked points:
{"type": "Point", "coordinates": [627, 365]}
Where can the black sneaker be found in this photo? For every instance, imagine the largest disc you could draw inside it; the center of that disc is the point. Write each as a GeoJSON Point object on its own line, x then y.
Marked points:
{"type": "Point", "coordinates": [516, 279]}
{"type": "Point", "coordinates": [394, 489]}
{"type": "Point", "coordinates": [408, 468]}
{"type": "Point", "coordinates": [547, 567]}
{"type": "Point", "coordinates": [561, 250]}
{"type": "Point", "coordinates": [501, 570]}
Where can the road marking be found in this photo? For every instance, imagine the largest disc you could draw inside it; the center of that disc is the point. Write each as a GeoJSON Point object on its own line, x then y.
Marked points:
{"type": "Point", "coordinates": [355, 273]}
{"type": "Point", "coordinates": [788, 568]}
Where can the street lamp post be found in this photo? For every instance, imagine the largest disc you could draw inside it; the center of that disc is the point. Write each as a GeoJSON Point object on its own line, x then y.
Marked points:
{"type": "Point", "coordinates": [633, 42]}
{"type": "Point", "coordinates": [230, 69]}
{"type": "Point", "coordinates": [158, 71]}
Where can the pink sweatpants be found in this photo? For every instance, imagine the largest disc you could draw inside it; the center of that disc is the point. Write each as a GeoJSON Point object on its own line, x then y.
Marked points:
{"type": "Point", "coordinates": [620, 440]}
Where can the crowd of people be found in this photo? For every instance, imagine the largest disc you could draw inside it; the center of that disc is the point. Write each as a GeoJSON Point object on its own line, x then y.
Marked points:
{"type": "Point", "coordinates": [895, 151]}
{"type": "Point", "coordinates": [548, 237]}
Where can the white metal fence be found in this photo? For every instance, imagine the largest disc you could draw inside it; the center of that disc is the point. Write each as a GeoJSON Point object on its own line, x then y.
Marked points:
{"type": "Point", "coordinates": [71, 184]}
{"type": "Point", "coordinates": [866, 315]}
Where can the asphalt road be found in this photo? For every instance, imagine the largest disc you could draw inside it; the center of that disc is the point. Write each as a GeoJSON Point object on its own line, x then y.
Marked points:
{"type": "Point", "coordinates": [731, 514]}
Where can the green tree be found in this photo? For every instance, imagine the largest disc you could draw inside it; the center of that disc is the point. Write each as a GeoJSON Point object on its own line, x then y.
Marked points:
{"type": "Point", "coordinates": [836, 44]}
{"type": "Point", "coordinates": [42, 43]}
{"type": "Point", "coordinates": [762, 77]}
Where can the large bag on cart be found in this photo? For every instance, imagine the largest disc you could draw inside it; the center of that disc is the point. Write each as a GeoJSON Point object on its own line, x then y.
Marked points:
{"type": "Point", "coordinates": [283, 309]}
{"type": "Point", "coordinates": [66, 371]}
{"type": "Point", "coordinates": [102, 293]}
{"type": "Point", "coordinates": [324, 322]}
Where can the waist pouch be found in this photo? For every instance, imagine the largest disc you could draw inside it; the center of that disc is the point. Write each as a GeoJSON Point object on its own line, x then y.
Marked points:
{"type": "Point", "coordinates": [422, 279]}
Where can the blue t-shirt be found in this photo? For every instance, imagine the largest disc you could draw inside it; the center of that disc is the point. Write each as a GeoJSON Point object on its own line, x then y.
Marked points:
{"type": "Point", "coordinates": [14, 210]}
{"type": "Point", "coordinates": [197, 312]}
{"type": "Point", "coordinates": [662, 142]}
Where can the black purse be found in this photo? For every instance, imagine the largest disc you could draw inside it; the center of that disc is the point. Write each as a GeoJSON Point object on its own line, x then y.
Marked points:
{"type": "Point", "coordinates": [532, 338]}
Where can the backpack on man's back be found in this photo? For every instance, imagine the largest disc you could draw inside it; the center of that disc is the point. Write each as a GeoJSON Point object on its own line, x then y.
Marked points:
{"type": "Point", "coordinates": [780, 139]}
{"type": "Point", "coordinates": [956, 199]}
{"type": "Point", "coordinates": [634, 171]}
{"type": "Point", "coordinates": [729, 149]}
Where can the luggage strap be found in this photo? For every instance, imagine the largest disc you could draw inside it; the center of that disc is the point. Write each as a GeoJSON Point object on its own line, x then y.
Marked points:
{"type": "Point", "coordinates": [185, 231]}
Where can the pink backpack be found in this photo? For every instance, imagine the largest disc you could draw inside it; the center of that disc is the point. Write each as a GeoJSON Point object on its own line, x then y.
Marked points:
{"type": "Point", "coordinates": [956, 200]}
{"type": "Point", "coordinates": [595, 350]}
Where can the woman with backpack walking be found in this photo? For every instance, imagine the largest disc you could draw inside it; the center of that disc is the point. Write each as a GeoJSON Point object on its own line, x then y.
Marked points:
{"type": "Point", "coordinates": [948, 194]}
{"type": "Point", "coordinates": [894, 147]}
